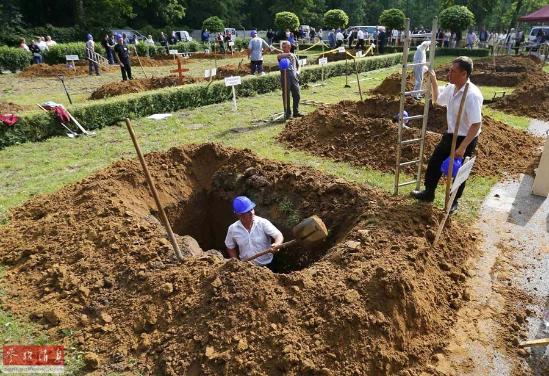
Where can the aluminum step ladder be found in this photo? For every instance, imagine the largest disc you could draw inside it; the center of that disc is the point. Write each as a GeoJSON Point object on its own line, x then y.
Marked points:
{"type": "Point", "coordinates": [402, 120]}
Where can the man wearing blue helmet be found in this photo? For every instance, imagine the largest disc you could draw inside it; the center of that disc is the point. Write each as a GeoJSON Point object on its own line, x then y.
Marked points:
{"type": "Point", "coordinates": [255, 52]}
{"type": "Point", "coordinates": [90, 55]}
{"type": "Point", "coordinates": [251, 234]}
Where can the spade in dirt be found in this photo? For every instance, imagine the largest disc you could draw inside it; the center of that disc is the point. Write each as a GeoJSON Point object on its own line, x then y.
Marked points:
{"type": "Point", "coordinates": [308, 231]}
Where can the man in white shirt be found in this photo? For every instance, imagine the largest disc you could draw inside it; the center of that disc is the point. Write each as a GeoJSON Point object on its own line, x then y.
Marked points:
{"type": "Point", "coordinates": [360, 40]}
{"type": "Point", "coordinates": [251, 234]}
{"type": "Point", "coordinates": [339, 38]}
{"type": "Point", "coordinates": [255, 52]}
{"type": "Point", "coordinates": [469, 127]}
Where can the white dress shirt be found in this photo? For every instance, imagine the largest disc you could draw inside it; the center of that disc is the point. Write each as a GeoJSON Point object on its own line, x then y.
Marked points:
{"type": "Point", "coordinates": [472, 108]}
{"type": "Point", "coordinates": [256, 240]}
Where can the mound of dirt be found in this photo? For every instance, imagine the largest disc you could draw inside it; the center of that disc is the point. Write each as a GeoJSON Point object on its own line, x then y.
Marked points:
{"type": "Point", "coordinates": [390, 86]}
{"type": "Point", "coordinates": [228, 55]}
{"type": "Point", "coordinates": [373, 299]}
{"type": "Point", "coordinates": [241, 70]}
{"type": "Point", "coordinates": [45, 70]}
{"type": "Point", "coordinates": [11, 108]}
{"type": "Point", "coordinates": [338, 56]}
{"type": "Point", "coordinates": [157, 61]}
{"type": "Point", "coordinates": [357, 131]}
{"type": "Point", "coordinates": [138, 85]}
{"type": "Point", "coordinates": [508, 70]}
{"type": "Point", "coordinates": [530, 98]}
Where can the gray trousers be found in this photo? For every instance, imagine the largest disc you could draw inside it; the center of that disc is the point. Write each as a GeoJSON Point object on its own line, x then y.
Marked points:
{"type": "Point", "coordinates": [293, 88]}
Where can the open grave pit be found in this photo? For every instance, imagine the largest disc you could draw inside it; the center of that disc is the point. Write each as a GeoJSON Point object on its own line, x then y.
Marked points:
{"type": "Point", "coordinates": [93, 260]}
{"type": "Point", "coordinates": [365, 133]}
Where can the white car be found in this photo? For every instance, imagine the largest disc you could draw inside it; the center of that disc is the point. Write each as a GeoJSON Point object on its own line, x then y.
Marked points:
{"type": "Point", "coordinates": [534, 32]}
{"type": "Point", "coordinates": [183, 36]}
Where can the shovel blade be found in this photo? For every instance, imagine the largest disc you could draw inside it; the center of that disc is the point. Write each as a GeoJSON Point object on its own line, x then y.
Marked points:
{"type": "Point", "coordinates": [310, 230]}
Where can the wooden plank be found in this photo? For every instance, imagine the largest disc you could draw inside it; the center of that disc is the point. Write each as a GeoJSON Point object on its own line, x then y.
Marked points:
{"type": "Point", "coordinates": [535, 342]}
{"type": "Point", "coordinates": [541, 182]}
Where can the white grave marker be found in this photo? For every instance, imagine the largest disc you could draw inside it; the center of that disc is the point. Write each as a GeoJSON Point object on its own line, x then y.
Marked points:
{"type": "Point", "coordinates": [232, 82]}
{"type": "Point", "coordinates": [210, 73]}
{"type": "Point", "coordinates": [341, 50]}
{"type": "Point", "coordinates": [323, 61]}
{"type": "Point", "coordinates": [71, 59]}
{"type": "Point", "coordinates": [302, 62]}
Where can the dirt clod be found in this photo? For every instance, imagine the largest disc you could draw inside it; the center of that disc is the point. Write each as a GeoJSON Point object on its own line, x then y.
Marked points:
{"type": "Point", "coordinates": [138, 85]}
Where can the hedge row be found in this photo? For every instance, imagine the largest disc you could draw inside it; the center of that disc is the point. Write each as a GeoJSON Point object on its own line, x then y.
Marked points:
{"type": "Point", "coordinates": [477, 52]}
{"type": "Point", "coordinates": [40, 126]}
{"type": "Point", "coordinates": [14, 59]}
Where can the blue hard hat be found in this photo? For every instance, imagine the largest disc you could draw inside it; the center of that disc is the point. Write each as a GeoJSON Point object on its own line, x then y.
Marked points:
{"type": "Point", "coordinates": [284, 64]}
{"type": "Point", "coordinates": [242, 204]}
{"type": "Point", "coordinates": [89, 36]}
{"type": "Point", "coordinates": [253, 33]}
{"type": "Point", "coordinates": [446, 164]}
{"type": "Point", "coordinates": [118, 36]}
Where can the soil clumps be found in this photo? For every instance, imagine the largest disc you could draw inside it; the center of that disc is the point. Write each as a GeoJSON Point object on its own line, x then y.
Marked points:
{"type": "Point", "coordinates": [45, 70]}
{"type": "Point", "coordinates": [390, 86]}
{"type": "Point", "coordinates": [374, 299]}
{"type": "Point", "coordinates": [356, 132]}
{"type": "Point", "coordinates": [11, 108]}
{"type": "Point", "coordinates": [241, 70]}
{"type": "Point", "coordinates": [138, 85]}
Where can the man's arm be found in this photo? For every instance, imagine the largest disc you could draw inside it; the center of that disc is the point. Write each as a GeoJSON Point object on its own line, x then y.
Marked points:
{"type": "Point", "coordinates": [467, 140]}
{"type": "Point", "coordinates": [233, 252]}
{"type": "Point", "coordinates": [434, 85]}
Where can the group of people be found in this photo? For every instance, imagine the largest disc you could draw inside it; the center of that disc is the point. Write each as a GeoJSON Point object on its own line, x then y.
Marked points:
{"type": "Point", "coordinates": [38, 46]}
{"type": "Point", "coordinates": [117, 51]}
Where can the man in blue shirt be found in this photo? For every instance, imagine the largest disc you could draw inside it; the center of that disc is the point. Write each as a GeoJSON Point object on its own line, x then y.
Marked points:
{"type": "Point", "coordinates": [255, 52]}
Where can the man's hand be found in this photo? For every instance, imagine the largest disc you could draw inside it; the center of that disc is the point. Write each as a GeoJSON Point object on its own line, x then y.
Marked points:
{"type": "Point", "coordinates": [274, 249]}
{"type": "Point", "coordinates": [459, 153]}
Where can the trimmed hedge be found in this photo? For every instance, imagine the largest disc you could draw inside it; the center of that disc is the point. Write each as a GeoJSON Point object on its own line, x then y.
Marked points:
{"type": "Point", "coordinates": [56, 54]}
{"type": "Point", "coordinates": [14, 59]}
{"type": "Point", "coordinates": [476, 52]}
{"type": "Point", "coordinates": [40, 126]}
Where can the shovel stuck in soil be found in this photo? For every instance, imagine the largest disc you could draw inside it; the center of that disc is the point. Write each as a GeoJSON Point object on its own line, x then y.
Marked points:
{"type": "Point", "coordinates": [308, 231]}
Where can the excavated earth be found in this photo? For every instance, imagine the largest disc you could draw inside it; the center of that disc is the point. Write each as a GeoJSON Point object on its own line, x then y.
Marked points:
{"type": "Point", "coordinates": [374, 299]}
{"type": "Point", "coordinates": [508, 71]}
{"type": "Point", "coordinates": [365, 133]}
{"type": "Point", "coordinates": [241, 70]}
{"type": "Point", "coordinates": [11, 108]}
{"type": "Point", "coordinates": [156, 61]}
{"type": "Point", "coordinates": [138, 85]}
{"type": "Point", "coordinates": [390, 86]}
{"type": "Point", "coordinates": [45, 70]}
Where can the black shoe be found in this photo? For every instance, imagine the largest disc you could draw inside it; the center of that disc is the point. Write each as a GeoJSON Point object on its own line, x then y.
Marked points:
{"type": "Point", "coordinates": [424, 195]}
{"type": "Point", "coordinates": [299, 114]}
{"type": "Point", "coordinates": [454, 207]}
{"type": "Point", "coordinates": [287, 116]}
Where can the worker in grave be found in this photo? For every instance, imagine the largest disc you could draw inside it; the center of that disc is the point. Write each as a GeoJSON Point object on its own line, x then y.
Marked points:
{"type": "Point", "coordinates": [251, 234]}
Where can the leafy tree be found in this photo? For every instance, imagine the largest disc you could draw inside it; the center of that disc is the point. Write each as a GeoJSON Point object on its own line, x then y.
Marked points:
{"type": "Point", "coordinates": [213, 24]}
{"type": "Point", "coordinates": [336, 19]}
{"type": "Point", "coordinates": [456, 18]}
{"type": "Point", "coordinates": [286, 20]}
{"type": "Point", "coordinates": [392, 19]}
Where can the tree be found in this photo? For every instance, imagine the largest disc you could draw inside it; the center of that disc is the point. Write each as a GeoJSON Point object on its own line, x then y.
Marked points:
{"type": "Point", "coordinates": [392, 19]}
{"type": "Point", "coordinates": [336, 19]}
{"type": "Point", "coordinates": [456, 18]}
{"type": "Point", "coordinates": [213, 24]}
{"type": "Point", "coordinates": [286, 21]}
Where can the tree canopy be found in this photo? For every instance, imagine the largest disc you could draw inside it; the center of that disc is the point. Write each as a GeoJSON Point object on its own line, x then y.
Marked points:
{"type": "Point", "coordinates": [286, 21]}
{"type": "Point", "coordinates": [213, 24]}
{"type": "Point", "coordinates": [456, 18]}
{"type": "Point", "coordinates": [392, 19]}
{"type": "Point", "coordinates": [336, 18]}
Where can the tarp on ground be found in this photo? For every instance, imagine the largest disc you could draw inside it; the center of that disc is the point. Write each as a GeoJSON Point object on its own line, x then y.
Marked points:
{"type": "Point", "coordinates": [540, 15]}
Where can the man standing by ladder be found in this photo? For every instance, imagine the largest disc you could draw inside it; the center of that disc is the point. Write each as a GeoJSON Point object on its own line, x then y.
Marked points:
{"type": "Point", "coordinates": [469, 128]}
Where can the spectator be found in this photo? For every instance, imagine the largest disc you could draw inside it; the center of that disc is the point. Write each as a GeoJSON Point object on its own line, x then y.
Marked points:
{"type": "Point", "coordinates": [205, 36]}
{"type": "Point", "coordinates": [440, 37]}
{"type": "Point", "coordinates": [332, 38]}
{"type": "Point", "coordinates": [339, 38]}
{"type": "Point", "coordinates": [483, 38]}
{"type": "Point", "coordinates": [360, 39]}
{"type": "Point", "coordinates": [50, 42]}
{"type": "Point", "coordinates": [219, 40]}
{"type": "Point", "coordinates": [312, 34]}
{"type": "Point", "coordinates": [352, 37]}
{"type": "Point", "coordinates": [108, 45]}
{"type": "Point", "coordinates": [395, 37]}
{"type": "Point", "coordinates": [42, 44]}
{"type": "Point", "coordinates": [164, 42]}
{"type": "Point", "coordinates": [123, 55]}
{"type": "Point", "coordinates": [270, 37]}
{"type": "Point", "coordinates": [173, 38]}
{"type": "Point", "coordinates": [453, 40]}
{"type": "Point", "coordinates": [228, 38]}
{"type": "Point", "coordinates": [255, 53]}
{"type": "Point", "coordinates": [447, 36]}
{"type": "Point", "coordinates": [90, 55]}
{"type": "Point", "coordinates": [36, 53]}
{"type": "Point", "coordinates": [293, 42]}
{"type": "Point", "coordinates": [382, 38]}
{"type": "Point", "coordinates": [23, 44]}
{"type": "Point", "coordinates": [149, 41]}
{"type": "Point", "coordinates": [470, 39]}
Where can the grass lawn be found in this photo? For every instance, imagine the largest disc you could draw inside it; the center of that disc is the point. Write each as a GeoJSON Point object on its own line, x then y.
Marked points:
{"type": "Point", "coordinates": [37, 168]}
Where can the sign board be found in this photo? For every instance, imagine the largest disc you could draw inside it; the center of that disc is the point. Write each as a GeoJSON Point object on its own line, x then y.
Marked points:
{"type": "Point", "coordinates": [210, 72]}
{"type": "Point", "coordinates": [206, 50]}
{"type": "Point", "coordinates": [71, 57]}
{"type": "Point", "coordinates": [358, 54]}
{"type": "Point", "coordinates": [463, 174]}
{"type": "Point", "coordinates": [232, 81]}
{"type": "Point", "coordinates": [173, 52]}
{"type": "Point", "coordinates": [302, 62]}
{"type": "Point", "coordinates": [231, 43]}
{"type": "Point", "coordinates": [341, 50]}
{"type": "Point", "coordinates": [323, 61]}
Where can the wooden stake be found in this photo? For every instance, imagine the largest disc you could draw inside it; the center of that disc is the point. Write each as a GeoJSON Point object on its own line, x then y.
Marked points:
{"type": "Point", "coordinates": [139, 61]}
{"type": "Point", "coordinates": [453, 149]}
{"type": "Point", "coordinates": [358, 80]}
{"type": "Point", "coordinates": [163, 216]}
{"type": "Point", "coordinates": [535, 342]}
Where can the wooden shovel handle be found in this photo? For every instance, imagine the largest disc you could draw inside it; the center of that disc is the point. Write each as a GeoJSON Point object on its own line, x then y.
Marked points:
{"type": "Point", "coordinates": [270, 250]}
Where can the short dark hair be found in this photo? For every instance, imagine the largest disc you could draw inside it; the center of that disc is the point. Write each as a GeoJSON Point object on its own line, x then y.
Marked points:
{"type": "Point", "coordinates": [465, 64]}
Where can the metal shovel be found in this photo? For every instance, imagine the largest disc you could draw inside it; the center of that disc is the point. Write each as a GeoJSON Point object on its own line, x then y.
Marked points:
{"type": "Point", "coordinates": [309, 230]}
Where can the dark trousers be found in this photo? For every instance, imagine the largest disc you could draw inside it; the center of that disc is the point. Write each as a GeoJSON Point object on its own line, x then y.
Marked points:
{"type": "Point", "coordinates": [126, 70]}
{"type": "Point", "coordinates": [257, 66]}
{"type": "Point", "coordinates": [293, 87]}
{"type": "Point", "coordinates": [93, 66]}
{"type": "Point", "coordinates": [441, 152]}
{"type": "Point", "coordinates": [110, 56]}
{"type": "Point", "coordinates": [360, 44]}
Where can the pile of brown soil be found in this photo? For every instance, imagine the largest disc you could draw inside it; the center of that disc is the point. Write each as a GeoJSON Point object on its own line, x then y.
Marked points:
{"type": "Point", "coordinates": [11, 108]}
{"type": "Point", "coordinates": [390, 86]}
{"type": "Point", "coordinates": [138, 85]}
{"type": "Point", "coordinates": [241, 70]}
{"type": "Point", "coordinates": [373, 299]}
{"type": "Point", "coordinates": [509, 70]}
{"type": "Point", "coordinates": [157, 61]}
{"type": "Point", "coordinates": [530, 98]}
{"type": "Point", "coordinates": [45, 70]}
{"type": "Point", "coordinates": [227, 55]}
{"type": "Point", "coordinates": [338, 56]}
{"type": "Point", "coordinates": [357, 131]}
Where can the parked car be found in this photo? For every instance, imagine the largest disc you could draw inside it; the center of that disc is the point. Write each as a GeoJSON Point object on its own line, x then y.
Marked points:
{"type": "Point", "coordinates": [183, 36]}
{"type": "Point", "coordinates": [534, 32]}
{"type": "Point", "coordinates": [133, 36]}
